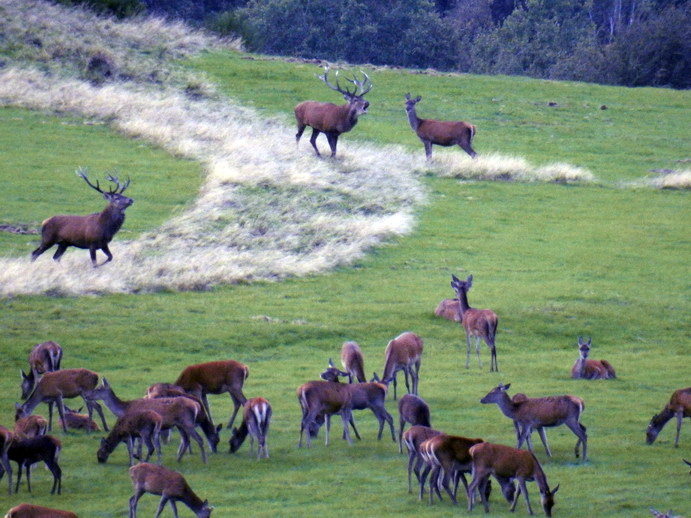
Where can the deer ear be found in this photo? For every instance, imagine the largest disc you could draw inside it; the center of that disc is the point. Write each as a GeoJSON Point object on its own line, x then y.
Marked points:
{"type": "Point", "coordinates": [331, 363]}
{"type": "Point", "coordinates": [407, 96]}
{"type": "Point", "coordinates": [554, 491]}
{"type": "Point", "coordinates": [418, 99]}
{"type": "Point", "coordinates": [589, 340]}
{"type": "Point", "coordinates": [469, 280]}
{"type": "Point", "coordinates": [506, 387]}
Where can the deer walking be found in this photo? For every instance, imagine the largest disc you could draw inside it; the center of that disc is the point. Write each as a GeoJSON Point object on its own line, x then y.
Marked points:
{"type": "Point", "coordinates": [402, 353]}
{"type": "Point", "coordinates": [679, 406]}
{"type": "Point", "coordinates": [92, 232]}
{"type": "Point", "coordinates": [478, 323]}
{"type": "Point", "coordinates": [441, 133]}
{"type": "Point", "coordinates": [256, 417]}
{"type": "Point", "coordinates": [590, 369]}
{"type": "Point", "coordinates": [332, 119]}
{"type": "Point", "coordinates": [37, 511]}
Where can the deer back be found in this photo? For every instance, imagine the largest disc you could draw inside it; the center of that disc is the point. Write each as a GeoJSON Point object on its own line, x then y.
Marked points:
{"type": "Point", "coordinates": [403, 350]}
{"type": "Point", "coordinates": [37, 511]}
{"type": "Point", "coordinates": [67, 383]}
{"type": "Point", "coordinates": [45, 357]}
{"type": "Point", "coordinates": [449, 309]}
{"type": "Point", "coordinates": [414, 410]}
{"type": "Point", "coordinates": [353, 360]}
{"type": "Point", "coordinates": [213, 377]}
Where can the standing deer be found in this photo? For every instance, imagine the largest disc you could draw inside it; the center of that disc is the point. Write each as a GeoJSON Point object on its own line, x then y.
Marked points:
{"type": "Point", "coordinates": [256, 417]}
{"type": "Point", "coordinates": [171, 485]}
{"type": "Point", "coordinates": [531, 414]}
{"type": "Point", "coordinates": [92, 232]}
{"type": "Point", "coordinates": [478, 323]}
{"type": "Point", "coordinates": [44, 357]}
{"type": "Point", "coordinates": [679, 406]}
{"type": "Point", "coordinates": [332, 119]}
{"type": "Point", "coordinates": [353, 362]}
{"type": "Point", "coordinates": [441, 133]}
{"type": "Point", "coordinates": [590, 369]}
{"type": "Point", "coordinates": [324, 398]}
{"type": "Point", "coordinates": [402, 353]}
{"type": "Point", "coordinates": [413, 438]}
{"type": "Point", "coordinates": [145, 425]}
{"type": "Point", "coordinates": [411, 409]}
{"type": "Point", "coordinates": [26, 452]}
{"type": "Point", "coordinates": [37, 511]}
{"type": "Point", "coordinates": [507, 464]}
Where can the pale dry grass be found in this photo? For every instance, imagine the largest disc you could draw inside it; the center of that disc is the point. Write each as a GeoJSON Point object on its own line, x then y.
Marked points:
{"type": "Point", "coordinates": [674, 180]}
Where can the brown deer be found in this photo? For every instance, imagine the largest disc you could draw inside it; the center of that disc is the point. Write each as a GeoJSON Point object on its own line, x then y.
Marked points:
{"type": "Point", "coordinates": [402, 353]}
{"type": "Point", "coordinates": [53, 387]}
{"type": "Point", "coordinates": [77, 421]}
{"type": "Point", "coordinates": [332, 119]}
{"type": "Point", "coordinates": [171, 485]}
{"type": "Point", "coordinates": [324, 398]}
{"type": "Point", "coordinates": [449, 309]}
{"type": "Point", "coordinates": [353, 362]}
{"type": "Point", "coordinates": [668, 514]}
{"type": "Point", "coordinates": [531, 414]}
{"type": "Point", "coordinates": [590, 369]}
{"type": "Point", "coordinates": [256, 417]}
{"type": "Point", "coordinates": [37, 511]}
{"type": "Point", "coordinates": [679, 406]}
{"type": "Point", "coordinates": [6, 439]}
{"type": "Point", "coordinates": [413, 438]}
{"type": "Point", "coordinates": [26, 452]}
{"type": "Point", "coordinates": [44, 357]}
{"type": "Point", "coordinates": [478, 323]}
{"type": "Point", "coordinates": [145, 425]}
{"type": "Point", "coordinates": [92, 232]}
{"type": "Point", "coordinates": [507, 464]}
{"type": "Point", "coordinates": [30, 426]}
{"type": "Point", "coordinates": [441, 133]}
{"type": "Point", "coordinates": [216, 378]}
{"type": "Point", "coordinates": [414, 410]}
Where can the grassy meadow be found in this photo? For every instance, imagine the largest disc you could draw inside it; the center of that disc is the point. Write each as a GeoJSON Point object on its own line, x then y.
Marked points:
{"type": "Point", "coordinates": [603, 257]}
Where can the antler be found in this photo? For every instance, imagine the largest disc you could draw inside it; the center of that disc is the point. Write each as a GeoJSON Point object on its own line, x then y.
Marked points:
{"type": "Point", "coordinates": [82, 171]}
{"type": "Point", "coordinates": [116, 181]}
{"type": "Point", "coordinates": [119, 188]}
{"type": "Point", "coordinates": [361, 87]}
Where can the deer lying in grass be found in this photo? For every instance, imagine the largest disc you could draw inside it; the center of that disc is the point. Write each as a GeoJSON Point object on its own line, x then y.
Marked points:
{"type": "Point", "coordinates": [413, 438]}
{"type": "Point", "coordinates": [441, 133]}
{"type": "Point", "coordinates": [590, 369]}
{"type": "Point", "coordinates": [145, 425]}
{"type": "Point", "coordinates": [6, 439]}
{"type": "Point", "coordinates": [353, 362]}
{"type": "Point", "coordinates": [92, 232]}
{"type": "Point", "coordinates": [478, 323]}
{"type": "Point", "coordinates": [44, 357]}
{"type": "Point", "coordinates": [411, 409]}
{"type": "Point", "coordinates": [78, 421]}
{"type": "Point", "coordinates": [324, 398]}
{"type": "Point", "coordinates": [53, 387]}
{"type": "Point", "coordinates": [37, 511]}
{"type": "Point", "coordinates": [679, 406]}
{"type": "Point", "coordinates": [449, 309]}
{"type": "Point", "coordinates": [329, 118]}
{"type": "Point", "coordinates": [507, 464]}
{"type": "Point", "coordinates": [256, 417]}
{"type": "Point", "coordinates": [216, 378]}
{"type": "Point", "coordinates": [402, 353]}
{"type": "Point", "coordinates": [30, 426]}
{"type": "Point", "coordinates": [27, 452]}
{"type": "Point", "coordinates": [171, 485]}
{"type": "Point", "coordinates": [538, 413]}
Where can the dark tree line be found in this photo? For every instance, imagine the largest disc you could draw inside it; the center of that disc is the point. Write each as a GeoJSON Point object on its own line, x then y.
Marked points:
{"type": "Point", "coordinates": [621, 42]}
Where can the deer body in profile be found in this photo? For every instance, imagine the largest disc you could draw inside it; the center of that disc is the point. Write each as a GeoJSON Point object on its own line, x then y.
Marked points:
{"type": "Point", "coordinates": [92, 232]}
{"type": "Point", "coordinates": [679, 406]}
{"type": "Point", "coordinates": [441, 133]}
{"type": "Point", "coordinates": [480, 324]}
{"type": "Point", "coordinates": [324, 399]}
{"type": "Point", "coordinates": [37, 511]}
{"type": "Point", "coordinates": [29, 451]}
{"type": "Point", "coordinates": [590, 369]}
{"type": "Point", "coordinates": [145, 425]}
{"type": "Point", "coordinates": [332, 119]}
{"type": "Point", "coordinates": [403, 353]}
{"type": "Point", "coordinates": [256, 417]}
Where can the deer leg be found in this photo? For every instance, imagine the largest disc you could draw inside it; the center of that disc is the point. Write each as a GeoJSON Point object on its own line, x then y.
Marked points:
{"type": "Point", "coordinates": [162, 504]}
{"type": "Point", "coordinates": [237, 403]}
{"type": "Point", "coordinates": [477, 350]}
{"type": "Point", "coordinates": [494, 366]}
{"type": "Point", "coordinates": [6, 467]}
{"type": "Point", "coordinates": [680, 418]}
{"type": "Point", "coordinates": [346, 416]}
{"type": "Point", "coordinates": [467, 355]}
{"type": "Point", "coordinates": [422, 479]}
{"type": "Point", "coordinates": [61, 411]}
{"type": "Point", "coordinates": [328, 428]}
{"type": "Point", "coordinates": [428, 149]}
{"type": "Point", "coordinates": [434, 484]}
{"type": "Point", "coordinates": [313, 140]}
{"type": "Point", "coordinates": [42, 248]}
{"type": "Point", "coordinates": [193, 433]}
{"type": "Point", "coordinates": [465, 146]}
{"type": "Point", "coordinates": [184, 443]}
{"type": "Point", "coordinates": [57, 476]}
{"type": "Point", "coordinates": [58, 253]}
{"type": "Point", "coordinates": [134, 499]}
{"type": "Point", "coordinates": [543, 435]}
{"type": "Point", "coordinates": [298, 135]}
{"type": "Point", "coordinates": [19, 477]}
{"type": "Point", "coordinates": [106, 251]}
{"type": "Point", "coordinates": [524, 490]}
{"type": "Point", "coordinates": [332, 138]}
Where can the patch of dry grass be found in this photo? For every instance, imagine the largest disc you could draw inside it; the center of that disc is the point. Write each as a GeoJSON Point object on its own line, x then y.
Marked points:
{"type": "Point", "coordinates": [673, 180]}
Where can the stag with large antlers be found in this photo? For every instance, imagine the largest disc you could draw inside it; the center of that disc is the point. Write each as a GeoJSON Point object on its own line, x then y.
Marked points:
{"type": "Point", "coordinates": [92, 232]}
{"type": "Point", "coordinates": [332, 119]}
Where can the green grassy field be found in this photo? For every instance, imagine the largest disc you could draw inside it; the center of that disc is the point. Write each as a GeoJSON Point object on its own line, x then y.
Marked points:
{"type": "Point", "coordinates": [554, 262]}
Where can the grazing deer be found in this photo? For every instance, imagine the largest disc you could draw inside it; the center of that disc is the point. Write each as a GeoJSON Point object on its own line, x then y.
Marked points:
{"type": "Point", "coordinates": [92, 232]}
{"type": "Point", "coordinates": [507, 464]}
{"type": "Point", "coordinates": [216, 378]}
{"type": "Point", "coordinates": [6, 439]}
{"type": "Point", "coordinates": [171, 485]}
{"type": "Point", "coordinates": [478, 323]}
{"type": "Point", "coordinates": [679, 406]}
{"type": "Point", "coordinates": [441, 133]}
{"type": "Point", "coordinates": [37, 511]}
{"type": "Point", "coordinates": [411, 409]}
{"type": "Point", "coordinates": [256, 417]}
{"type": "Point", "coordinates": [449, 309]}
{"type": "Point", "coordinates": [145, 425]}
{"type": "Point", "coordinates": [353, 362]}
{"type": "Point", "coordinates": [53, 387]}
{"type": "Point", "coordinates": [30, 426]}
{"type": "Point", "coordinates": [413, 438]}
{"type": "Point", "coordinates": [402, 353]}
{"type": "Point", "coordinates": [44, 357]}
{"type": "Point", "coordinates": [165, 390]}
{"type": "Point", "coordinates": [590, 369]}
{"type": "Point", "coordinates": [324, 398]}
{"type": "Point", "coordinates": [26, 452]}
{"type": "Point", "coordinates": [329, 118]}
{"type": "Point", "coordinates": [531, 414]}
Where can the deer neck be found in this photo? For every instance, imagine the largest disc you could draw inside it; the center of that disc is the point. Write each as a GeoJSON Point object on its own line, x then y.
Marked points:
{"type": "Point", "coordinates": [507, 406]}
{"type": "Point", "coordinates": [192, 500]}
{"type": "Point", "coordinates": [579, 367]}
{"type": "Point", "coordinates": [463, 305]}
{"type": "Point", "coordinates": [112, 219]}
{"type": "Point", "coordinates": [114, 403]}
{"type": "Point", "coordinates": [413, 119]}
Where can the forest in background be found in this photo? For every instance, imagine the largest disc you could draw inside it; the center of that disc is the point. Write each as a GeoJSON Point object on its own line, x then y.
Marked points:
{"type": "Point", "coordinates": [616, 42]}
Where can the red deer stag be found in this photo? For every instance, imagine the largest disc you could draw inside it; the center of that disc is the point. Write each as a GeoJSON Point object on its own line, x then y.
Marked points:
{"type": "Point", "coordinates": [411, 409]}
{"type": "Point", "coordinates": [92, 232]}
{"type": "Point", "coordinates": [508, 464]}
{"type": "Point", "coordinates": [256, 417]}
{"type": "Point", "coordinates": [44, 357]}
{"type": "Point", "coordinates": [531, 414]}
{"type": "Point", "coordinates": [590, 369]}
{"type": "Point", "coordinates": [679, 406]}
{"type": "Point", "coordinates": [324, 398]}
{"type": "Point", "coordinates": [332, 119]}
{"type": "Point", "coordinates": [402, 353]}
{"type": "Point", "coordinates": [478, 323]}
{"type": "Point", "coordinates": [449, 309]}
{"type": "Point", "coordinates": [171, 485]}
{"type": "Point", "coordinates": [27, 452]}
{"type": "Point", "coordinates": [441, 133]}
{"type": "Point", "coordinates": [37, 511]}
{"type": "Point", "coordinates": [145, 425]}
{"type": "Point", "coordinates": [413, 438]}
{"type": "Point", "coordinates": [53, 387]}
{"type": "Point", "coordinates": [6, 439]}
{"type": "Point", "coordinates": [216, 378]}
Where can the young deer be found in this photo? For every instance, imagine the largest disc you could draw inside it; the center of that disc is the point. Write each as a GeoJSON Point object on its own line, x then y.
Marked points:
{"type": "Point", "coordinates": [324, 398]}
{"type": "Point", "coordinates": [37, 511]}
{"type": "Point", "coordinates": [53, 387]}
{"type": "Point", "coordinates": [44, 357]}
{"type": "Point", "coordinates": [30, 426]}
{"type": "Point", "coordinates": [353, 362]}
{"type": "Point", "coordinates": [411, 409]}
{"type": "Point", "coordinates": [449, 309]}
{"type": "Point", "coordinates": [216, 378]}
{"type": "Point", "coordinates": [256, 417]}
{"type": "Point", "coordinates": [6, 439]}
{"type": "Point", "coordinates": [679, 406]}
{"type": "Point", "coordinates": [171, 485]}
{"type": "Point", "coordinates": [590, 369]}
{"type": "Point", "coordinates": [26, 452]}
{"type": "Point", "coordinates": [145, 425]}
{"type": "Point", "coordinates": [77, 421]}
{"type": "Point", "coordinates": [413, 438]}
{"type": "Point", "coordinates": [531, 414]}
{"type": "Point", "coordinates": [507, 464]}
{"type": "Point", "coordinates": [92, 232]}
{"type": "Point", "coordinates": [478, 323]}
{"type": "Point", "coordinates": [402, 353]}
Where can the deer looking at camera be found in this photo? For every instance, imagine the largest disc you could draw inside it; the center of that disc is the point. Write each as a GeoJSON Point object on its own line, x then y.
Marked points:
{"type": "Point", "coordinates": [92, 232]}
{"type": "Point", "coordinates": [590, 369]}
{"type": "Point", "coordinates": [441, 133]}
{"type": "Point", "coordinates": [332, 119]}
